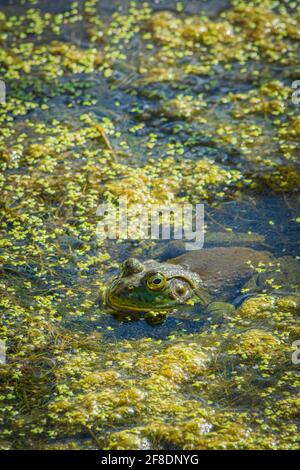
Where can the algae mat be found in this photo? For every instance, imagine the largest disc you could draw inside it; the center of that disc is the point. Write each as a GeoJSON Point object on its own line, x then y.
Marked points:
{"type": "Point", "coordinates": [159, 102]}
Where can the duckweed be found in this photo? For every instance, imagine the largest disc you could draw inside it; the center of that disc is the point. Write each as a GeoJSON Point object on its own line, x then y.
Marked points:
{"type": "Point", "coordinates": [158, 106]}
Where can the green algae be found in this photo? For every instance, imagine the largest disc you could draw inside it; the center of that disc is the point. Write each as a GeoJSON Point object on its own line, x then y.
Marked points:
{"type": "Point", "coordinates": [230, 386]}
{"type": "Point", "coordinates": [152, 389]}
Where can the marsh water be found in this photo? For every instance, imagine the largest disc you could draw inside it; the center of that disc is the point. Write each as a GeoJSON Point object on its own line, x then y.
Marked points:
{"type": "Point", "coordinates": [159, 102]}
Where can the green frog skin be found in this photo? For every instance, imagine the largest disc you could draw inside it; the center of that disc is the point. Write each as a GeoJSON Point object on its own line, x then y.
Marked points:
{"type": "Point", "coordinates": [195, 277]}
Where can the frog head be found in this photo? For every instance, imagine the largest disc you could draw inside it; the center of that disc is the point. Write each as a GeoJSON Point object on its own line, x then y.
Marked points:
{"type": "Point", "coordinates": [150, 286]}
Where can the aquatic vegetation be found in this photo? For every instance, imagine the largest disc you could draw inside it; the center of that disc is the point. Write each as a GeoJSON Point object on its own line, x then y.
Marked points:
{"type": "Point", "coordinates": [151, 389]}
{"type": "Point", "coordinates": [158, 106]}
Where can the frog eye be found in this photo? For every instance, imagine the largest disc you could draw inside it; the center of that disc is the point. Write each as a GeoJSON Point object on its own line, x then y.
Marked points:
{"type": "Point", "coordinates": [131, 266]}
{"type": "Point", "coordinates": [156, 281]}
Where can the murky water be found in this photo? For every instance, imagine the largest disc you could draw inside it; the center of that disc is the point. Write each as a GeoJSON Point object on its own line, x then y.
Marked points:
{"type": "Point", "coordinates": [195, 105]}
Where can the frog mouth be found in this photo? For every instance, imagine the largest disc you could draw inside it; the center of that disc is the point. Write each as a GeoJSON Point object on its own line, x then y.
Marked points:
{"type": "Point", "coordinates": [114, 305]}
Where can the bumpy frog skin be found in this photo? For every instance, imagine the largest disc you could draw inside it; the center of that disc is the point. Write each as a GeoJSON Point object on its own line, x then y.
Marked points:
{"type": "Point", "coordinates": [154, 286]}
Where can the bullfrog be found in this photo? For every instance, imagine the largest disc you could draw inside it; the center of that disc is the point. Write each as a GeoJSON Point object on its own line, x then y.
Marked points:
{"type": "Point", "coordinates": [208, 277]}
